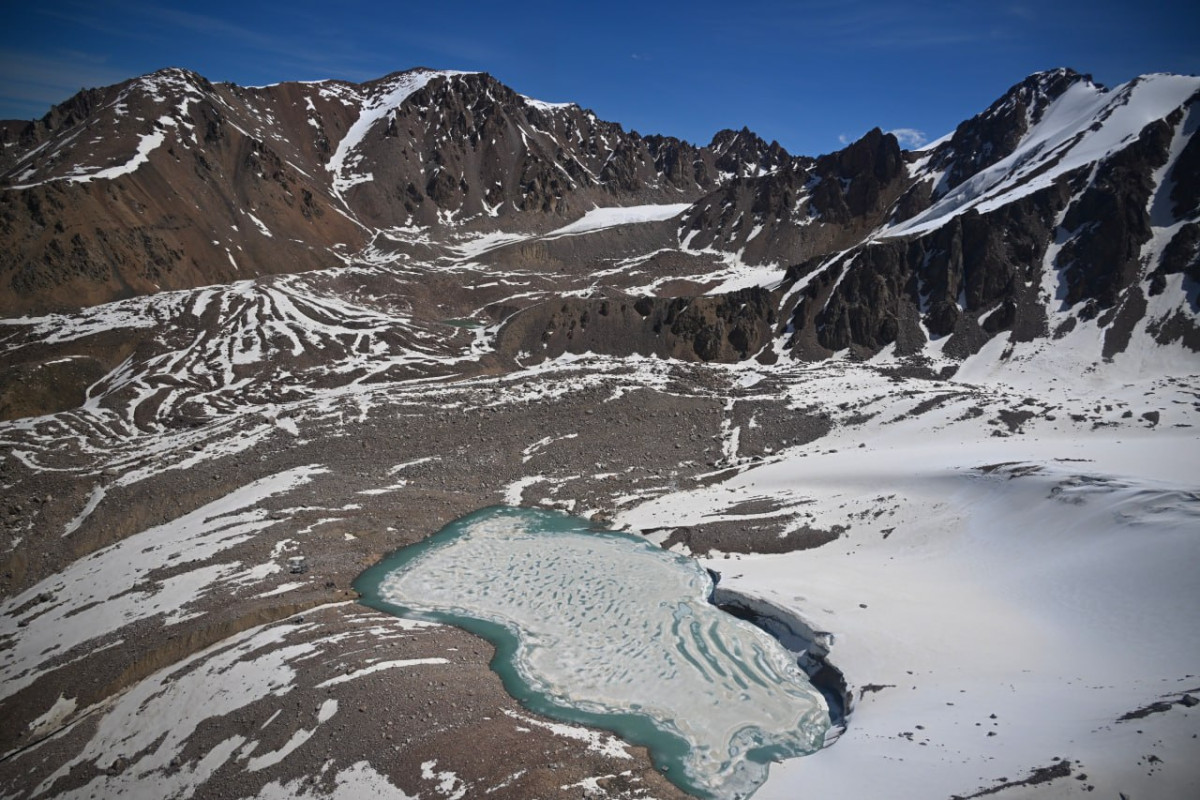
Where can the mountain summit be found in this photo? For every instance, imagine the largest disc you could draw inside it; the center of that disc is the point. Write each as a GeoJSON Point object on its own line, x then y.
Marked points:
{"type": "Point", "coordinates": [169, 181]}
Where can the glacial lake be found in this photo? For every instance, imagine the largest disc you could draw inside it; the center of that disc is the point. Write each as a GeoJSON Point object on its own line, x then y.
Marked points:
{"type": "Point", "coordinates": [605, 629]}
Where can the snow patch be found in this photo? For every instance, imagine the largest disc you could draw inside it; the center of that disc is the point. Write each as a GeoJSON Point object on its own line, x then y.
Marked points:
{"type": "Point", "coordinates": [612, 216]}
{"type": "Point", "coordinates": [379, 667]}
{"type": "Point", "coordinates": [393, 94]}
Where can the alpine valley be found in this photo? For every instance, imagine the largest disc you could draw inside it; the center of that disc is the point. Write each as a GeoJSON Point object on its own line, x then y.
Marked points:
{"type": "Point", "coordinates": [934, 409]}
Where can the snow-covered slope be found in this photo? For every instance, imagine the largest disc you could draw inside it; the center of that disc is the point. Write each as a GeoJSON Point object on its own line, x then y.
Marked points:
{"type": "Point", "coordinates": [1001, 604]}
{"type": "Point", "coordinates": [1082, 127]}
{"type": "Point", "coordinates": [1061, 207]}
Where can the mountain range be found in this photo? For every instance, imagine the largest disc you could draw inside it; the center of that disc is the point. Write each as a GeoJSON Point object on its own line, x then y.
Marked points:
{"type": "Point", "coordinates": [1062, 204]}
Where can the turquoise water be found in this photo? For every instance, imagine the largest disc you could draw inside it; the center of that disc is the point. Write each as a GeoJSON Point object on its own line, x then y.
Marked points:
{"type": "Point", "coordinates": [607, 630]}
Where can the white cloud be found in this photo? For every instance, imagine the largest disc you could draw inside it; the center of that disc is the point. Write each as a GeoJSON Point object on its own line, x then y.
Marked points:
{"type": "Point", "coordinates": [910, 138]}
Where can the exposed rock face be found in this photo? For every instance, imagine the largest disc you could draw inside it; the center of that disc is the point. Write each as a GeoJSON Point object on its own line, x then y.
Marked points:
{"type": "Point", "coordinates": [1110, 221]}
{"type": "Point", "coordinates": [1031, 232]}
{"type": "Point", "coordinates": [987, 138]}
{"type": "Point", "coordinates": [854, 182]}
{"type": "Point", "coordinates": [966, 279]}
{"type": "Point", "coordinates": [1185, 176]}
{"type": "Point", "coordinates": [1182, 254]}
{"type": "Point", "coordinates": [804, 206]}
{"type": "Point", "coordinates": [729, 327]}
{"type": "Point", "coordinates": [743, 154]}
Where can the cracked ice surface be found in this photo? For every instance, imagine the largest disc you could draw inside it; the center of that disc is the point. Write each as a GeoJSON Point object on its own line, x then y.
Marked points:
{"type": "Point", "coordinates": [607, 624]}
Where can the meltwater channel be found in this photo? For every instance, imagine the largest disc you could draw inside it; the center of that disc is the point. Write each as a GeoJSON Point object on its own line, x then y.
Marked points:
{"type": "Point", "coordinates": [605, 629]}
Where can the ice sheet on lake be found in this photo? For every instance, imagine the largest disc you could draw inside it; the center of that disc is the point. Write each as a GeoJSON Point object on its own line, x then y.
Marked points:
{"type": "Point", "coordinates": [607, 624]}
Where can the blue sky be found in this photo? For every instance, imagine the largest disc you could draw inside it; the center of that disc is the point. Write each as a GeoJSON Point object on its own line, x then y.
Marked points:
{"type": "Point", "coordinates": [808, 74]}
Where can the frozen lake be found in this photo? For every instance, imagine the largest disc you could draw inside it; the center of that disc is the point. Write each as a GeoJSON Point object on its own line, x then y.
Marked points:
{"type": "Point", "coordinates": [606, 629]}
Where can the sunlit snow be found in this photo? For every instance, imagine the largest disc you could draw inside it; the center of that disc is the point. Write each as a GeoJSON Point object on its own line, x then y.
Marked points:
{"type": "Point", "coordinates": [607, 624]}
{"type": "Point", "coordinates": [609, 217]}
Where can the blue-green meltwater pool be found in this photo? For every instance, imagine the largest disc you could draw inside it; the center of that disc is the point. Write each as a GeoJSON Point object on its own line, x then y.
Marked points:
{"type": "Point", "coordinates": [605, 629]}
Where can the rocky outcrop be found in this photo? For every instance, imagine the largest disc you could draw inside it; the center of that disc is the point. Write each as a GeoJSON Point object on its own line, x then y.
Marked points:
{"type": "Point", "coordinates": [804, 206]}
{"type": "Point", "coordinates": [979, 270]}
{"type": "Point", "coordinates": [1110, 221]}
{"type": "Point", "coordinates": [744, 154]}
{"type": "Point", "coordinates": [730, 327]}
{"type": "Point", "coordinates": [1185, 177]}
{"type": "Point", "coordinates": [853, 184]}
{"type": "Point", "coordinates": [994, 134]}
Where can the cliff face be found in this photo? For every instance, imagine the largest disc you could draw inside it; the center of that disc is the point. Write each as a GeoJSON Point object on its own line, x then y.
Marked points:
{"type": "Point", "coordinates": [1058, 206]}
{"type": "Point", "coordinates": [728, 327]}
{"type": "Point", "coordinates": [804, 207]}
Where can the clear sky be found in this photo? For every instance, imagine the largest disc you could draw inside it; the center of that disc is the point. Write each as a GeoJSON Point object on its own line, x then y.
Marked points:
{"type": "Point", "coordinates": [808, 74]}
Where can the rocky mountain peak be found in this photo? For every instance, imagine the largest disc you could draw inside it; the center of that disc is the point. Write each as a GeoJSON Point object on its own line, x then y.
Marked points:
{"type": "Point", "coordinates": [994, 133]}
{"type": "Point", "coordinates": [1048, 83]}
{"type": "Point", "coordinates": [166, 86]}
{"type": "Point", "coordinates": [746, 154]}
{"type": "Point", "coordinates": [149, 94]}
{"type": "Point", "coordinates": [876, 153]}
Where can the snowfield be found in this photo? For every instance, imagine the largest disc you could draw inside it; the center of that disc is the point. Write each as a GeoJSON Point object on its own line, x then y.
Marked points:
{"type": "Point", "coordinates": [999, 603]}
{"type": "Point", "coordinates": [600, 218]}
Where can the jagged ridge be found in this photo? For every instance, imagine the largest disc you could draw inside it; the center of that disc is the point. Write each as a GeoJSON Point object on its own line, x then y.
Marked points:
{"type": "Point", "coordinates": [1062, 207]}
